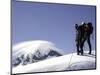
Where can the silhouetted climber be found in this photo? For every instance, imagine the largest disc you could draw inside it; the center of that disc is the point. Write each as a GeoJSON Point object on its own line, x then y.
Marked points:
{"type": "Point", "coordinates": [88, 30]}
{"type": "Point", "coordinates": [79, 38]}
{"type": "Point", "coordinates": [83, 33]}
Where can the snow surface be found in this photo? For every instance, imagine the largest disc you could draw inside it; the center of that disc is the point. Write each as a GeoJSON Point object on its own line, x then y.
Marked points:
{"type": "Point", "coordinates": [39, 49]}
{"type": "Point", "coordinates": [59, 64]}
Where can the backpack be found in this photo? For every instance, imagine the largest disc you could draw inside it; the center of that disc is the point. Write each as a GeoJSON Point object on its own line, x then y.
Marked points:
{"type": "Point", "coordinates": [90, 28]}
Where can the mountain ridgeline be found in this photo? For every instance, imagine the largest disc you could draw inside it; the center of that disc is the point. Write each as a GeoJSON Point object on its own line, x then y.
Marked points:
{"type": "Point", "coordinates": [40, 50]}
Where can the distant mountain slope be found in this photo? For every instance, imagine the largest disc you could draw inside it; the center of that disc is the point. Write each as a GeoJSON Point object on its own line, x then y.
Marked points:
{"type": "Point", "coordinates": [33, 51]}
{"type": "Point", "coordinates": [66, 62]}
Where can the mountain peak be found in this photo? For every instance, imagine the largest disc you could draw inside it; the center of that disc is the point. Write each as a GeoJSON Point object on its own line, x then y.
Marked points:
{"type": "Point", "coordinates": [32, 46]}
{"type": "Point", "coordinates": [33, 51]}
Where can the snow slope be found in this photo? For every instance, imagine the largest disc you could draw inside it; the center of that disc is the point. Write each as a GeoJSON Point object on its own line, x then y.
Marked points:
{"type": "Point", "coordinates": [33, 51]}
{"type": "Point", "coordinates": [66, 62]}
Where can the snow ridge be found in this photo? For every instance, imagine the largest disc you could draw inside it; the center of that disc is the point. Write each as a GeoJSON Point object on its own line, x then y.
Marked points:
{"type": "Point", "coordinates": [33, 56]}
{"type": "Point", "coordinates": [59, 64]}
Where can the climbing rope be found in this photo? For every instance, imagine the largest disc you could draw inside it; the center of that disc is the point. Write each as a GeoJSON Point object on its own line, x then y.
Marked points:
{"type": "Point", "coordinates": [70, 60]}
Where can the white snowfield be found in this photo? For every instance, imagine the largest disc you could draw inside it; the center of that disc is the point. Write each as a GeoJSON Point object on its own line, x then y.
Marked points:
{"type": "Point", "coordinates": [59, 64]}
{"type": "Point", "coordinates": [67, 62]}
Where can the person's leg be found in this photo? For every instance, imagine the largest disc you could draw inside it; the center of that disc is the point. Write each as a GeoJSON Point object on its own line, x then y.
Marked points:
{"type": "Point", "coordinates": [77, 45]}
{"type": "Point", "coordinates": [89, 44]}
{"type": "Point", "coordinates": [82, 44]}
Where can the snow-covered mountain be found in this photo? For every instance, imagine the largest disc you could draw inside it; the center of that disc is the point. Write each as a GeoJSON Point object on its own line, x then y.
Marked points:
{"type": "Point", "coordinates": [66, 62]}
{"type": "Point", "coordinates": [33, 51]}
{"type": "Point", "coordinates": [33, 56]}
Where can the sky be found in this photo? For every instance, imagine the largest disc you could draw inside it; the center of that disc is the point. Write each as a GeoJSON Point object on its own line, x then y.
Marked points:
{"type": "Point", "coordinates": [50, 22]}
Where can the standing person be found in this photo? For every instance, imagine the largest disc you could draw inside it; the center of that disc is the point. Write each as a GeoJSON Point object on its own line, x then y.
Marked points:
{"type": "Point", "coordinates": [88, 30]}
{"type": "Point", "coordinates": [79, 38]}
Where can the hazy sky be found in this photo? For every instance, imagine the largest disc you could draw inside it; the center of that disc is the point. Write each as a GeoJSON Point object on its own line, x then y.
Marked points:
{"type": "Point", "coordinates": [51, 22]}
